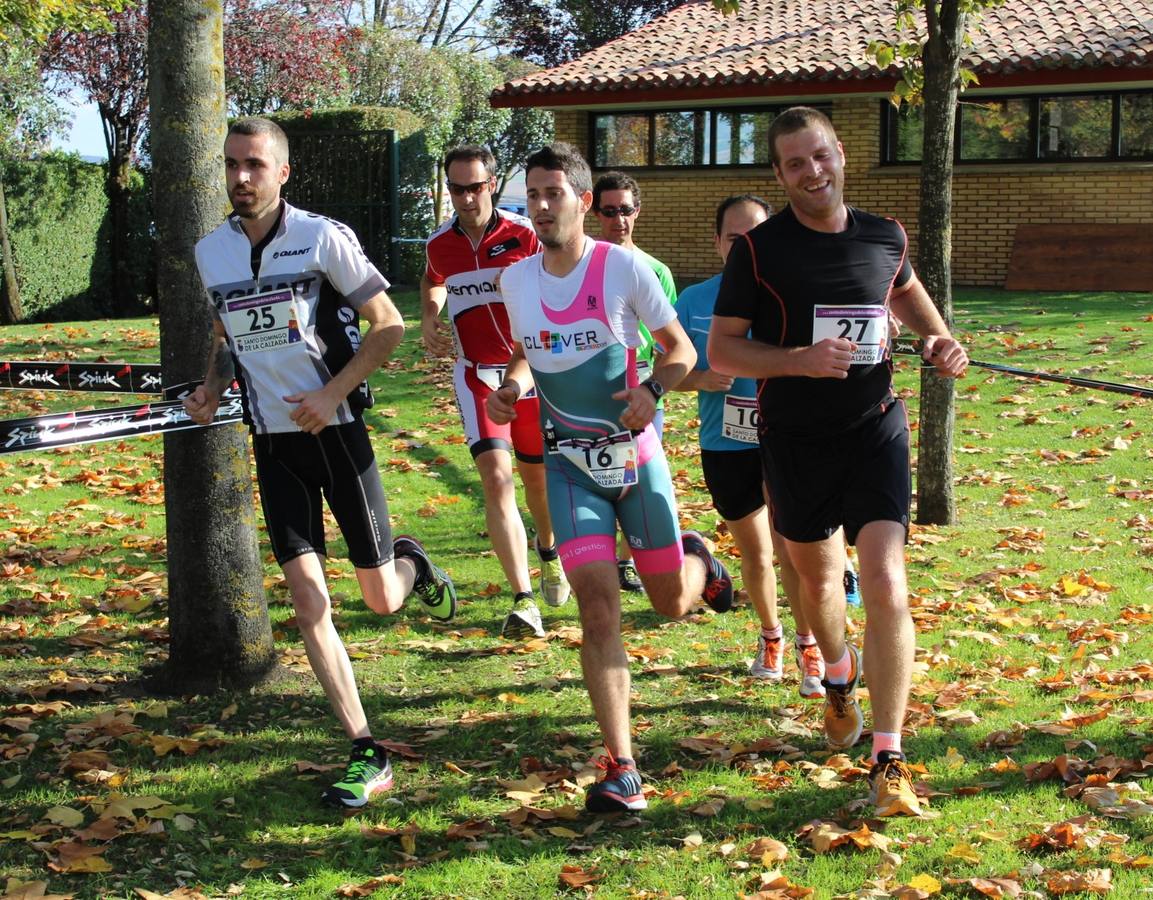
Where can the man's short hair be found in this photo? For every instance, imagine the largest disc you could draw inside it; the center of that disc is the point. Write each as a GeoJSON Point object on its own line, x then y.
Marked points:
{"type": "Point", "coordinates": [560, 156]}
{"type": "Point", "coordinates": [253, 126]}
{"type": "Point", "coordinates": [616, 181]}
{"type": "Point", "coordinates": [797, 118]}
{"type": "Point", "coordinates": [729, 202]}
{"type": "Point", "coordinates": [470, 152]}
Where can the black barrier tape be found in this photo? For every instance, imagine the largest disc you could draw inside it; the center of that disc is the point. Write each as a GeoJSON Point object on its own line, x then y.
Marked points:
{"type": "Point", "coordinates": [110, 424]}
{"type": "Point", "coordinates": [915, 348]}
{"type": "Point", "coordinates": [125, 378]}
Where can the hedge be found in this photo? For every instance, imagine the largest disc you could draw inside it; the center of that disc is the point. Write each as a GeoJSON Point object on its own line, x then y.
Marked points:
{"type": "Point", "coordinates": [57, 219]}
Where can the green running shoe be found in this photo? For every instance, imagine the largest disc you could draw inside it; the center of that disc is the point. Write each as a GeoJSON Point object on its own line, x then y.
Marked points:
{"type": "Point", "coordinates": [369, 772]}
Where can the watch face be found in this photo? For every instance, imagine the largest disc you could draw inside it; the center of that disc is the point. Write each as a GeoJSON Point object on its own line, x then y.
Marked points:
{"type": "Point", "coordinates": [656, 387]}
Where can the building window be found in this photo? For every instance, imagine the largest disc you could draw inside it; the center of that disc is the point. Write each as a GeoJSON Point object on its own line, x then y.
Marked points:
{"type": "Point", "coordinates": [684, 138]}
{"type": "Point", "coordinates": [1040, 128]}
{"type": "Point", "coordinates": [993, 130]}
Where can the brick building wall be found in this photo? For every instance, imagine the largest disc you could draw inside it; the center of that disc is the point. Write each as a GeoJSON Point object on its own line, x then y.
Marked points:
{"type": "Point", "coordinates": [989, 201]}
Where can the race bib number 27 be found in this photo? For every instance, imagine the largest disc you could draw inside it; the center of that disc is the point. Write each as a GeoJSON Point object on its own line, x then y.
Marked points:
{"type": "Point", "coordinates": [865, 326]}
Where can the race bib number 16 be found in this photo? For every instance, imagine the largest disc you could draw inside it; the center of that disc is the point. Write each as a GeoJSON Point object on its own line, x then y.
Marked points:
{"type": "Point", "coordinates": [865, 326]}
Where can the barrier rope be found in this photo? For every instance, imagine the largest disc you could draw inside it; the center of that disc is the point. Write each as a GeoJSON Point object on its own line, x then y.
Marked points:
{"type": "Point", "coordinates": [914, 348]}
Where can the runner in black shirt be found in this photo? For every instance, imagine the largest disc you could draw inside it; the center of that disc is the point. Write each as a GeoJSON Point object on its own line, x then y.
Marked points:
{"type": "Point", "coordinates": [815, 284]}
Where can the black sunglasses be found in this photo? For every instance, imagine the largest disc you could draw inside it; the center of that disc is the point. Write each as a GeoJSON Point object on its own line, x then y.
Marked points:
{"type": "Point", "coordinates": [611, 212]}
{"type": "Point", "coordinates": [459, 190]}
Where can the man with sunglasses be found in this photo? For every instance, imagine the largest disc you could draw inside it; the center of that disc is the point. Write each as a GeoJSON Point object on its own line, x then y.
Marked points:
{"type": "Point", "coordinates": [617, 204]}
{"type": "Point", "coordinates": [465, 258]}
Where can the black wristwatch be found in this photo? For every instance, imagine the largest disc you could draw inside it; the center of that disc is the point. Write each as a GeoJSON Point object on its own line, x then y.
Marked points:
{"type": "Point", "coordinates": [655, 388]}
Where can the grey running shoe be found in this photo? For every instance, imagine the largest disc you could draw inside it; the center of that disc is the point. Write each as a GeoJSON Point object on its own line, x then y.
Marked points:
{"type": "Point", "coordinates": [554, 587]}
{"type": "Point", "coordinates": [369, 772]}
{"type": "Point", "coordinates": [768, 664]}
{"type": "Point", "coordinates": [620, 789]}
{"type": "Point", "coordinates": [523, 621]}
{"type": "Point", "coordinates": [433, 586]}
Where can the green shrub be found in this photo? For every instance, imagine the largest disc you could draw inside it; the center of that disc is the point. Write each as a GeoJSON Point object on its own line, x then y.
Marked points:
{"type": "Point", "coordinates": [57, 218]}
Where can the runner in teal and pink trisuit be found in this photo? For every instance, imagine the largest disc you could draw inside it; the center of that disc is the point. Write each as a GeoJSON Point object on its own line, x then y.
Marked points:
{"type": "Point", "coordinates": [574, 312]}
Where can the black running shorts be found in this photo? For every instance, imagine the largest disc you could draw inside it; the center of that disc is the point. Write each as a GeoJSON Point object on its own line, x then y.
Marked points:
{"type": "Point", "coordinates": [734, 479]}
{"type": "Point", "coordinates": [296, 470]}
{"type": "Point", "coordinates": [859, 476]}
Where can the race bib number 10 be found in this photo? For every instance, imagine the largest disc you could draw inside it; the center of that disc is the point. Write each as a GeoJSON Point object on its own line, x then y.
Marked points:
{"type": "Point", "coordinates": [865, 326]}
{"type": "Point", "coordinates": [262, 322]}
{"type": "Point", "coordinates": [740, 419]}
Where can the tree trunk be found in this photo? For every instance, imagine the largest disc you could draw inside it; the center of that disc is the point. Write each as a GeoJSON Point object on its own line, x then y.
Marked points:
{"type": "Point", "coordinates": [11, 308]}
{"type": "Point", "coordinates": [218, 617]}
{"type": "Point", "coordinates": [118, 187]}
{"type": "Point", "coordinates": [936, 503]}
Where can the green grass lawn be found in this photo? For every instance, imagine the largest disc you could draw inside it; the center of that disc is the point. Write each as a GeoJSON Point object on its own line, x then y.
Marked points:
{"type": "Point", "coordinates": [1032, 710]}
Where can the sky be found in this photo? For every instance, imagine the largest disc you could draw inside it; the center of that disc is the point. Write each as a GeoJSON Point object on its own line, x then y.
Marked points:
{"type": "Point", "coordinates": [86, 136]}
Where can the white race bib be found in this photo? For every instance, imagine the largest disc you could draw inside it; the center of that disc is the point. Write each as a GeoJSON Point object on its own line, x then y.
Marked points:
{"type": "Point", "coordinates": [262, 322]}
{"type": "Point", "coordinates": [865, 326]}
{"type": "Point", "coordinates": [610, 461]}
{"type": "Point", "coordinates": [741, 419]}
{"type": "Point", "coordinates": [491, 376]}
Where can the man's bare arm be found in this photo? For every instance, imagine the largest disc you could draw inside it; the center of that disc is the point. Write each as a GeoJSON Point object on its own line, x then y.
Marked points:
{"type": "Point", "coordinates": [433, 330]}
{"type": "Point", "coordinates": [916, 310]}
{"type": "Point", "coordinates": [733, 352]}
{"type": "Point", "coordinates": [315, 409]}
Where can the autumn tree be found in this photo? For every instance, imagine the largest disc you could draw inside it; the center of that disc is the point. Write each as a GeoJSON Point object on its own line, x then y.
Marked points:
{"type": "Point", "coordinates": [528, 128]}
{"type": "Point", "coordinates": [111, 68]}
{"type": "Point", "coordinates": [929, 62]}
{"type": "Point", "coordinates": [218, 618]}
{"type": "Point", "coordinates": [286, 54]}
{"type": "Point", "coordinates": [549, 33]}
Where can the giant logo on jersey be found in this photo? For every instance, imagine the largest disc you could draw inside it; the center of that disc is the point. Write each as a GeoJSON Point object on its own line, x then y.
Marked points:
{"type": "Point", "coordinates": [559, 342]}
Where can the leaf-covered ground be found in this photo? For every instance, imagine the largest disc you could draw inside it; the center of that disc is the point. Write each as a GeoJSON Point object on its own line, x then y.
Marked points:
{"type": "Point", "coordinates": [1031, 726]}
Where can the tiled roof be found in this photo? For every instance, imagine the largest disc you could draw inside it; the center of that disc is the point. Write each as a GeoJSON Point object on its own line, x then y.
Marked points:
{"type": "Point", "coordinates": [786, 42]}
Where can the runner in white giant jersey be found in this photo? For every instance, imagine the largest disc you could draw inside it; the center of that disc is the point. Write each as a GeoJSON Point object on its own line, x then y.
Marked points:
{"type": "Point", "coordinates": [287, 289]}
{"type": "Point", "coordinates": [465, 258]}
{"type": "Point", "coordinates": [574, 312]}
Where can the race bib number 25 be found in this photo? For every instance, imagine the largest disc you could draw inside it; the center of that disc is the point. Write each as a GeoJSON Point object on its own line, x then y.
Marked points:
{"type": "Point", "coordinates": [865, 326]}
{"type": "Point", "coordinates": [262, 322]}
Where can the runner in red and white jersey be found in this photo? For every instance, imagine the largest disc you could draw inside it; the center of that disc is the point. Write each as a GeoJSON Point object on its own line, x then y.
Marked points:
{"type": "Point", "coordinates": [465, 258]}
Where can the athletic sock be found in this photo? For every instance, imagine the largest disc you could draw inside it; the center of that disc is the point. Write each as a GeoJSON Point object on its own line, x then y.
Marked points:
{"type": "Point", "coordinates": [838, 672]}
{"type": "Point", "coordinates": [522, 595]}
{"type": "Point", "coordinates": [804, 639]}
{"type": "Point", "coordinates": [547, 554]}
{"type": "Point", "coordinates": [885, 740]}
{"type": "Point", "coordinates": [772, 634]}
{"type": "Point", "coordinates": [364, 743]}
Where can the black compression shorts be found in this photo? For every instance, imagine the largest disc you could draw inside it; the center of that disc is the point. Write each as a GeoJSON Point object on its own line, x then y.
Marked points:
{"type": "Point", "coordinates": [734, 479]}
{"type": "Point", "coordinates": [296, 470]}
{"type": "Point", "coordinates": [862, 475]}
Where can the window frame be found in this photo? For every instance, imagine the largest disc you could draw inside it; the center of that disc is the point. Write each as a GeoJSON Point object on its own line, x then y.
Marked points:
{"type": "Point", "coordinates": [889, 142]}
{"type": "Point", "coordinates": [712, 112]}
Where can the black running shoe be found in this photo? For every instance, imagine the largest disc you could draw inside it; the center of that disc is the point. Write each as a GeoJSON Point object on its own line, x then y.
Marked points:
{"type": "Point", "coordinates": [433, 586]}
{"type": "Point", "coordinates": [718, 590]}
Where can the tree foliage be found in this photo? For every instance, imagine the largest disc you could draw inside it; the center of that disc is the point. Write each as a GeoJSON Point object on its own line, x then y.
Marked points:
{"type": "Point", "coordinates": [35, 20]}
{"type": "Point", "coordinates": [286, 54]}
{"type": "Point", "coordinates": [528, 128]}
{"type": "Point", "coordinates": [549, 33]}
